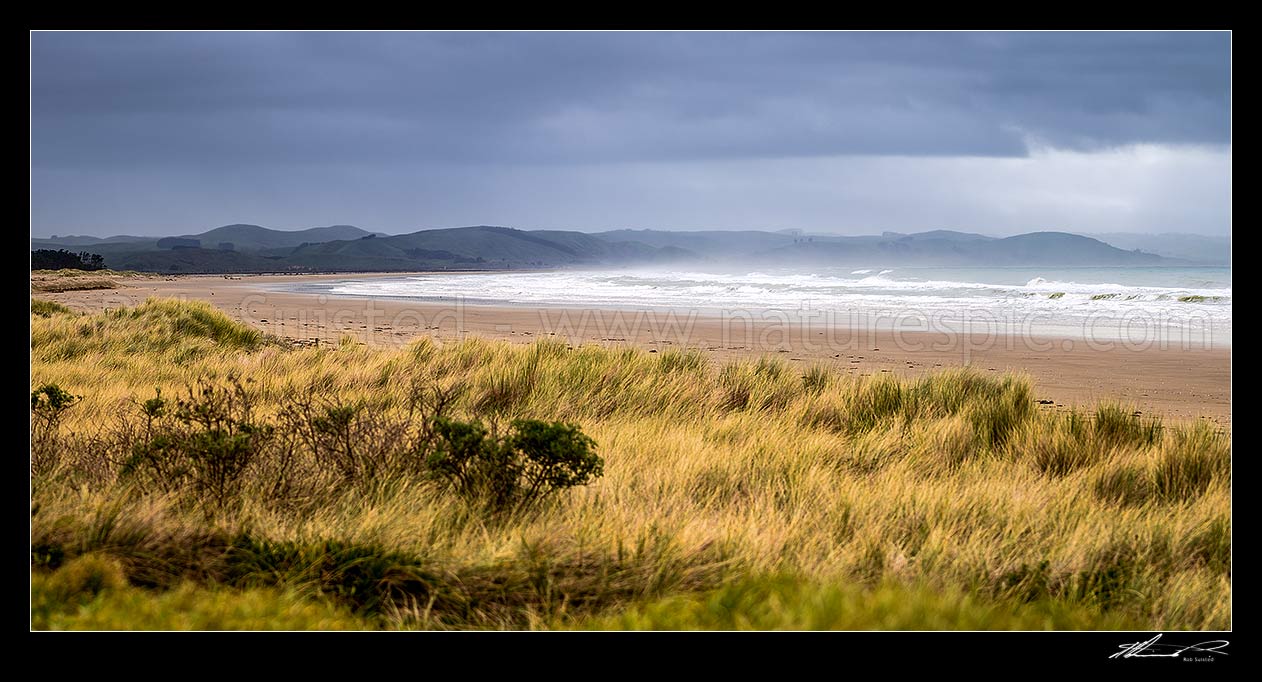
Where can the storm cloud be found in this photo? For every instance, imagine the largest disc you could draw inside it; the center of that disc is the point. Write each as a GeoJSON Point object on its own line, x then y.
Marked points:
{"type": "Point", "coordinates": [169, 132]}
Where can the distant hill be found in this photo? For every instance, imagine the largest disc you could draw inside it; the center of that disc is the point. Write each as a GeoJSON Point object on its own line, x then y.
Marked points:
{"type": "Point", "coordinates": [84, 240]}
{"type": "Point", "coordinates": [1061, 248]}
{"type": "Point", "coordinates": [253, 248]}
{"type": "Point", "coordinates": [488, 246]}
{"type": "Point", "coordinates": [713, 243]}
{"type": "Point", "coordinates": [240, 237]}
{"type": "Point", "coordinates": [943, 235]}
{"type": "Point", "coordinates": [936, 247]}
{"type": "Point", "coordinates": [193, 261]}
{"type": "Point", "coordinates": [1196, 248]}
{"type": "Point", "coordinates": [960, 249]}
{"type": "Point", "coordinates": [256, 238]}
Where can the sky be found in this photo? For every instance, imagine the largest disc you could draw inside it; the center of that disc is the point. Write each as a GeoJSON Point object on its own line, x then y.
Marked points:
{"type": "Point", "coordinates": [853, 133]}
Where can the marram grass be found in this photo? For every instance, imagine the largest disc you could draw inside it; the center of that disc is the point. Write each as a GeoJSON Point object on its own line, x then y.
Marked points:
{"type": "Point", "coordinates": [750, 495]}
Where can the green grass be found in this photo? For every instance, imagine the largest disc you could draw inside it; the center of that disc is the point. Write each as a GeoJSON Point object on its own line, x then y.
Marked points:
{"type": "Point", "coordinates": [806, 498]}
{"type": "Point", "coordinates": [92, 594]}
{"type": "Point", "coordinates": [44, 308]}
{"type": "Point", "coordinates": [785, 603]}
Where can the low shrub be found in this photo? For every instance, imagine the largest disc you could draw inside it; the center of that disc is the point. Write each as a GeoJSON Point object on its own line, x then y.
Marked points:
{"type": "Point", "coordinates": [534, 461]}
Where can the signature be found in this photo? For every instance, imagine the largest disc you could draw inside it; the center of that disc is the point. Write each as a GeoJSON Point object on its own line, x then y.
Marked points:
{"type": "Point", "coordinates": [1152, 649]}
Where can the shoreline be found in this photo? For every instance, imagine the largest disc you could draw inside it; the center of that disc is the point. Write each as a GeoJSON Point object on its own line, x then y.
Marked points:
{"type": "Point", "coordinates": [978, 319]}
{"type": "Point", "coordinates": [1177, 383]}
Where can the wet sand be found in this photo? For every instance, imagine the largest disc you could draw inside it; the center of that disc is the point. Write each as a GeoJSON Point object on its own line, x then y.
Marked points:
{"type": "Point", "coordinates": [1177, 383]}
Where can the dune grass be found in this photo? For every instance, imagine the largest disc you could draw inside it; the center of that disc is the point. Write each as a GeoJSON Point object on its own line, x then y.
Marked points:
{"type": "Point", "coordinates": [44, 308]}
{"type": "Point", "coordinates": [91, 593]}
{"type": "Point", "coordinates": [75, 273]}
{"type": "Point", "coordinates": [787, 603]}
{"type": "Point", "coordinates": [57, 285]}
{"type": "Point", "coordinates": [54, 281]}
{"type": "Point", "coordinates": [751, 495]}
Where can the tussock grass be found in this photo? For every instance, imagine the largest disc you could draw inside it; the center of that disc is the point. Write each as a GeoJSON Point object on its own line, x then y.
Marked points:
{"type": "Point", "coordinates": [790, 499]}
{"type": "Point", "coordinates": [1119, 425]}
{"type": "Point", "coordinates": [53, 281]}
{"type": "Point", "coordinates": [72, 284]}
{"type": "Point", "coordinates": [154, 332]}
{"type": "Point", "coordinates": [786, 603]}
{"type": "Point", "coordinates": [74, 273]}
{"type": "Point", "coordinates": [187, 607]}
{"type": "Point", "coordinates": [44, 308]}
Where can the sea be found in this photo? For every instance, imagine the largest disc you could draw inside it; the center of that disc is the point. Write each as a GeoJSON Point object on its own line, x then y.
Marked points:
{"type": "Point", "coordinates": [1190, 306]}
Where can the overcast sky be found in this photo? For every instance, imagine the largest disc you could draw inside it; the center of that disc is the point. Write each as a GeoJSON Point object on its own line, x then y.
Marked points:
{"type": "Point", "coordinates": [168, 133]}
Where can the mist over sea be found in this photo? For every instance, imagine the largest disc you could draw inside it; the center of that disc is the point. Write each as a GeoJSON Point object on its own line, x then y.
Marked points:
{"type": "Point", "coordinates": [1185, 306]}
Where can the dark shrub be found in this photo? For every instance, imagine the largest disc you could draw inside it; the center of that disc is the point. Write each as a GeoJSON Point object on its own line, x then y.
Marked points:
{"type": "Point", "coordinates": [48, 403]}
{"type": "Point", "coordinates": [505, 473]}
{"type": "Point", "coordinates": [207, 442]}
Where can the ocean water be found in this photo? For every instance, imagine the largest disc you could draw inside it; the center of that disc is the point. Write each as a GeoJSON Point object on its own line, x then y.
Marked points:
{"type": "Point", "coordinates": [1189, 305]}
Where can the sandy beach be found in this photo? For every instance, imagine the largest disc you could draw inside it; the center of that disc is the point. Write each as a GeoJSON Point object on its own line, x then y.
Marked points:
{"type": "Point", "coordinates": [1177, 383]}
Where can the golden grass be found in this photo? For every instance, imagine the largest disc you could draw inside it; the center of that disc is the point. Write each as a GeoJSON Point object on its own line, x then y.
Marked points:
{"type": "Point", "coordinates": [54, 281]}
{"type": "Point", "coordinates": [72, 284]}
{"type": "Point", "coordinates": [952, 482]}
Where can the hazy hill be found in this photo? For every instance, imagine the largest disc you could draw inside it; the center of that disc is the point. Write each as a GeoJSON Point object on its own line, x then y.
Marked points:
{"type": "Point", "coordinates": [1198, 248]}
{"type": "Point", "coordinates": [105, 247]}
{"type": "Point", "coordinates": [1036, 248]}
{"type": "Point", "coordinates": [938, 235]}
{"type": "Point", "coordinates": [240, 237]}
{"type": "Point", "coordinates": [256, 238]}
{"type": "Point", "coordinates": [1060, 248]}
{"type": "Point", "coordinates": [252, 248]}
{"type": "Point", "coordinates": [488, 247]}
{"type": "Point", "coordinates": [711, 243]}
{"type": "Point", "coordinates": [85, 240]}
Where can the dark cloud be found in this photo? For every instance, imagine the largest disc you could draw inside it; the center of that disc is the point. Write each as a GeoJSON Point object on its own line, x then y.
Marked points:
{"type": "Point", "coordinates": [242, 110]}
{"type": "Point", "coordinates": [198, 98]}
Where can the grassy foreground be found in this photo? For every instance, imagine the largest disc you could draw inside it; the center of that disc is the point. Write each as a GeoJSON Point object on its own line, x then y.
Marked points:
{"type": "Point", "coordinates": [751, 495]}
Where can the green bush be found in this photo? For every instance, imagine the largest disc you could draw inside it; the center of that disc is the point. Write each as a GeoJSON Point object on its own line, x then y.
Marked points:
{"type": "Point", "coordinates": [206, 442]}
{"type": "Point", "coordinates": [50, 400]}
{"type": "Point", "coordinates": [534, 461]}
{"type": "Point", "coordinates": [48, 403]}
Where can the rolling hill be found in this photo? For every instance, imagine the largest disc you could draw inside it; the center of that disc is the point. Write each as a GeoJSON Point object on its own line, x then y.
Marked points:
{"type": "Point", "coordinates": [256, 238]}
{"type": "Point", "coordinates": [252, 248]}
{"type": "Point", "coordinates": [1195, 248]}
{"type": "Point", "coordinates": [1036, 248]}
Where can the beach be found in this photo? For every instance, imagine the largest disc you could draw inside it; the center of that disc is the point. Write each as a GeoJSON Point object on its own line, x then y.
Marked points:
{"type": "Point", "coordinates": [1176, 382]}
